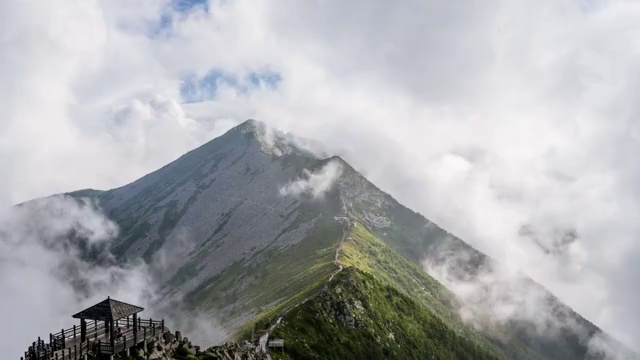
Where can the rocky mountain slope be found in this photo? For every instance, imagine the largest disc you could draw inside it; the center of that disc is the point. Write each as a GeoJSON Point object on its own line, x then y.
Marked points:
{"type": "Point", "coordinates": [252, 227]}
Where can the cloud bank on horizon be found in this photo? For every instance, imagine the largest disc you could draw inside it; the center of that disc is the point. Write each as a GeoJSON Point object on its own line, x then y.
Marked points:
{"type": "Point", "coordinates": [511, 124]}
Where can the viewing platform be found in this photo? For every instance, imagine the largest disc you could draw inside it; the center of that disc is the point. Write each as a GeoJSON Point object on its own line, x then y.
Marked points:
{"type": "Point", "coordinates": [107, 328]}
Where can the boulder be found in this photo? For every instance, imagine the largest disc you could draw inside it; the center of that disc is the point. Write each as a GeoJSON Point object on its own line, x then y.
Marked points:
{"type": "Point", "coordinates": [168, 337]}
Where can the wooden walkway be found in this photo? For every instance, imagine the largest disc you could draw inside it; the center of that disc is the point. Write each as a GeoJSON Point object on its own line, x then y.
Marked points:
{"type": "Point", "coordinates": [67, 345]}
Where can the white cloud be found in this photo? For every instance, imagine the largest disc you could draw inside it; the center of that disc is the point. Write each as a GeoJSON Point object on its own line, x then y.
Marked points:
{"type": "Point", "coordinates": [603, 346]}
{"type": "Point", "coordinates": [486, 117]}
{"type": "Point", "coordinates": [314, 184]}
{"type": "Point", "coordinates": [497, 294]}
{"type": "Point", "coordinates": [46, 275]}
{"type": "Point", "coordinates": [55, 261]}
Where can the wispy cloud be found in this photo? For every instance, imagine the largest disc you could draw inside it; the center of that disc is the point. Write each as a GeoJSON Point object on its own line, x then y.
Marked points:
{"type": "Point", "coordinates": [314, 184]}
{"type": "Point", "coordinates": [55, 261]}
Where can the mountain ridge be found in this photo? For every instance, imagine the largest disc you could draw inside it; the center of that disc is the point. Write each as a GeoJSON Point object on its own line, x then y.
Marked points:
{"type": "Point", "coordinates": [235, 227]}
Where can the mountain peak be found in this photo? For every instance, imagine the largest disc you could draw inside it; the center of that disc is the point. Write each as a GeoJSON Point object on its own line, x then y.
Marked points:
{"type": "Point", "coordinates": [251, 126]}
{"type": "Point", "coordinates": [271, 141]}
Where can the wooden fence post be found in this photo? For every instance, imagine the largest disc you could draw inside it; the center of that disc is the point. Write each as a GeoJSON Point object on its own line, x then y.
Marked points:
{"type": "Point", "coordinates": [75, 351]}
{"type": "Point", "coordinates": [74, 331]}
{"type": "Point", "coordinates": [63, 339]}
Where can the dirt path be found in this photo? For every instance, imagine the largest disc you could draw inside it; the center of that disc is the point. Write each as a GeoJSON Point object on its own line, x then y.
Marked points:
{"type": "Point", "coordinates": [264, 340]}
{"type": "Point", "coordinates": [335, 259]}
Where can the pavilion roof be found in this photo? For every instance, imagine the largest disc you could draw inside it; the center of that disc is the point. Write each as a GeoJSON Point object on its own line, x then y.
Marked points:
{"type": "Point", "coordinates": [108, 310]}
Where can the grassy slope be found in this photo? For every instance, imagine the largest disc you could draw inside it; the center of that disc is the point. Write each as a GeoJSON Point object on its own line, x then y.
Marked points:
{"type": "Point", "coordinates": [393, 297]}
{"type": "Point", "coordinates": [513, 339]}
{"type": "Point", "coordinates": [359, 317]}
{"type": "Point", "coordinates": [368, 253]}
{"type": "Point", "coordinates": [274, 280]}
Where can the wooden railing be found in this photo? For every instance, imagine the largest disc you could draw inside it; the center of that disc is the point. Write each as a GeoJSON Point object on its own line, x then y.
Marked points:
{"type": "Point", "coordinates": [66, 344]}
{"type": "Point", "coordinates": [72, 353]}
{"type": "Point", "coordinates": [128, 339]}
{"type": "Point", "coordinates": [75, 353]}
{"type": "Point", "coordinates": [61, 339]}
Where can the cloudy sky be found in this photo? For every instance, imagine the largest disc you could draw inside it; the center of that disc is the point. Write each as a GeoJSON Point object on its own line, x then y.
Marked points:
{"type": "Point", "coordinates": [513, 124]}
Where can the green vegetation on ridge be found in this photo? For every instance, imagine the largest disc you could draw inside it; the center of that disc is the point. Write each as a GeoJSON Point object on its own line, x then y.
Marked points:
{"type": "Point", "coordinates": [385, 308]}
{"type": "Point", "coordinates": [359, 317]}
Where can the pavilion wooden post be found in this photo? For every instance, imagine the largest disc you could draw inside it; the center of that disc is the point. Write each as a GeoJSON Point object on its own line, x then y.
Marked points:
{"type": "Point", "coordinates": [83, 330]}
{"type": "Point", "coordinates": [135, 329]}
{"type": "Point", "coordinates": [111, 335]}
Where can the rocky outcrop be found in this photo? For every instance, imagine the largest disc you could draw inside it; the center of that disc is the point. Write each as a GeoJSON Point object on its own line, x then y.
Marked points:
{"type": "Point", "coordinates": [233, 351]}
{"type": "Point", "coordinates": [170, 346]}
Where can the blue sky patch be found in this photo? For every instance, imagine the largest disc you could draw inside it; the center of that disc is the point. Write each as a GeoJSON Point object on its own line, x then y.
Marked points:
{"type": "Point", "coordinates": [163, 26]}
{"type": "Point", "coordinates": [268, 79]}
{"type": "Point", "coordinates": [194, 89]}
{"type": "Point", "coordinates": [186, 5]}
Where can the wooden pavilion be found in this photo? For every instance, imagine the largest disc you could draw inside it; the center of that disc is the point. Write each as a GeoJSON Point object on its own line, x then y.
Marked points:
{"type": "Point", "coordinates": [106, 328]}
{"type": "Point", "coordinates": [109, 311]}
